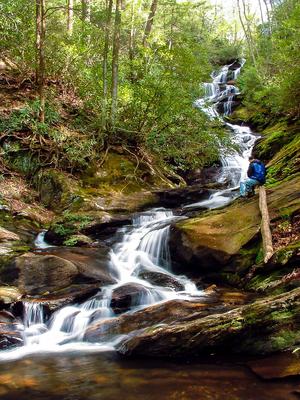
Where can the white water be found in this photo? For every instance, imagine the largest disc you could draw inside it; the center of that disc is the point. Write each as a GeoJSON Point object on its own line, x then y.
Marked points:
{"type": "Point", "coordinates": [144, 247]}
{"type": "Point", "coordinates": [40, 242]}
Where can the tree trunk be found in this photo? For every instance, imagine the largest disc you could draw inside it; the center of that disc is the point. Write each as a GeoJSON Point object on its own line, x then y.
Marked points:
{"type": "Point", "coordinates": [70, 16]}
{"type": "Point", "coordinates": [40, 49]}
{"type": "Point", "coordinates": [265, 225]}
{"type": "Point", "coordinates": [86, 10]}
{"type": "Point", "coordinates": [149, 23]}
{"type": "Point", "coordinates": [261, 12]}
{"type": "Point", "coordinates": [115, 63]}
{"type": "Point", "coordinates": [246, 32]}
{"type": "Point", "coordinates": [105, 63]}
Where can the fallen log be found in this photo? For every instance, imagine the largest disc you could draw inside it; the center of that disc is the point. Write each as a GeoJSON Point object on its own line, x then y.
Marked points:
{"type": "Point", "coordinates": [263, 327]}
{"type": "Point", "coordinates": [265, 225]}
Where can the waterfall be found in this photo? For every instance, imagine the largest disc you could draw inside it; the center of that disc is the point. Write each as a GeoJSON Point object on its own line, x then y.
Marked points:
{"type": "Point", "coordinates": [33, 313]}
{"type": "Point", "coordinates": [235, 162]}
{"type": "Point", "coordinates": [143, 249]}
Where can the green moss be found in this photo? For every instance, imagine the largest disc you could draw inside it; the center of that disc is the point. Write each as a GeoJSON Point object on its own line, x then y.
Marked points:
{"type": "Point", "coordinates": [282, 315]}
{"type": "Point", "coordinates": [284, 339]}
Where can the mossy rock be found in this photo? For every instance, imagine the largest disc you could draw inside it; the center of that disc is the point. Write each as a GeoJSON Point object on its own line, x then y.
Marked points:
{"type": "Point", "coordinates": [223, 237]}
{"type": "Point", "coordinates": [57, 190]}
{"type": "Point", "coordinates": [211, 240]}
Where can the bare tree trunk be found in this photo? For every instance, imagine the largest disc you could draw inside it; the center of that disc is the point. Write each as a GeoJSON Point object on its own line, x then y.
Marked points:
{"type": "Point", "coordinates": [261, 12]}
{"type": "Point", "coordinates": [40, 48]}
{"type": "Point", "coordinates": [70, 16]}
{"type": "Point", "coordinates": [86, 10]}
{"type": "Point", "coordinates": [115, 63]}
{"type": "Point", "coordinates": [105, 63]}
{"type": "Point", "coordinates": [265, 225]}
{"type": "Point", "coordinates": [246, 32]}
{"type": "Point", "coordinates": [149, 23]}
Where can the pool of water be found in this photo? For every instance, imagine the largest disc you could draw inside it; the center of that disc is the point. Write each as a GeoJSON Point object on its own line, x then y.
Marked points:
{"type": "Point", "coordinates": [79, 376]}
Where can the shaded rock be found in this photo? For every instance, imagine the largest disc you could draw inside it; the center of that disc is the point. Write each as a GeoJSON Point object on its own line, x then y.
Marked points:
{"type": "Point", "coordinates": [161, 279]}
{"type": "Point", "coordinates": [6, 317]}
{"type": "Point", "coordinates": [103, 229]}
{"type": "Point", "coordinates": [263, 327]}
{"type": "Point", "coordinates": [73, 294]}
{"type": "Point", "coordinates": [92, 263]}
{"type": "Point", "coordinates": [79, 240]}
{"type": "Point", "coordinates": [126, 296]}
{"type": "Point", "coordinates": [48, 272]}
{"type": "Point", "coordinates": [177, 197]}
{"type": "Point", "coordinates": [44, 273]}
{"type": "Point", "coordinates": [10, 335]}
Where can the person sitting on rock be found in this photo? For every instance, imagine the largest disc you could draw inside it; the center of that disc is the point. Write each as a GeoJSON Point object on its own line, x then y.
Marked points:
{"type": "Point", "coordinates": [256, 176]}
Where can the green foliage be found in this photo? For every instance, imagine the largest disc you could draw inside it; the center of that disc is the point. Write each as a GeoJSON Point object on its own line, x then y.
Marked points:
{"type": "Point", "coordinates": [273, 82]}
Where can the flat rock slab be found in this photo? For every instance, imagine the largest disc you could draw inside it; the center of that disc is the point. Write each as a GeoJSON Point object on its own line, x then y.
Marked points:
{"type": "Point", "coordinates": [278, 366]}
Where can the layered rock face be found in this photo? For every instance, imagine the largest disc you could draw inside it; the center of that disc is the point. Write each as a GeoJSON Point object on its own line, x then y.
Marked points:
{"type": "Point", "coordinates": [218, 238]}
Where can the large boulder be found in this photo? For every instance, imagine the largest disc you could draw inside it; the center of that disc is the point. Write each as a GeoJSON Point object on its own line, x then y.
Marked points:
{"type": "Point", "coordinates": [262, 327]}
{"type": "Point", "coordinates": [166, 313]}
{"type": "Point", "coordinates": [44, 273]}
{"type": "Point", "coordinates": [218, 238]}
{"type": "Point", "coordinates": [158, 278]}
{"type": "Point", "coordinates": [209, 241]}
{"type": "Point", "coordinates": [129, 295]}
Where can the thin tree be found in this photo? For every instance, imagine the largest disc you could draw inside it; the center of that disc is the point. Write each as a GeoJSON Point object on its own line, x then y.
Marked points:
{"type": "Point", "coordinates": [70, 12]}
{"type": "Point", "coordinates": [105, 62]}
{"type": "Point", "coordinates": [40, 51]}
{"type": "Point", "coordinates": [247, 33]}
{"type": "Point", "coordinates": [86, 10]}
{"type": "Point", "coordinates": [115, 63]}
{"type": "Point", "coordinates": [149, 22]}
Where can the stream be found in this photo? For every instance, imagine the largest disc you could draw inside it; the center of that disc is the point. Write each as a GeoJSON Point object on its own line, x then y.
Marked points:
{"type": "Point", "coordinates": [56, 362]}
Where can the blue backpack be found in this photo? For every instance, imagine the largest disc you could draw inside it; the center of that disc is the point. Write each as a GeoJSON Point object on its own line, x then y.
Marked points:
{"type": "Point", "coordinates": [259, 172]}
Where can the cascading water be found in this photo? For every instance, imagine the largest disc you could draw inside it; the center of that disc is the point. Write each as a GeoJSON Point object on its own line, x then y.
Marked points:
{"type": "Point", "coordinates": [144, 247]}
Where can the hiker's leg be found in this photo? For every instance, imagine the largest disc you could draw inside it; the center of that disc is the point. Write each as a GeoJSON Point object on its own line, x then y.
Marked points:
{"type": "Point", "coordinates": [250, 185]}
{"type": "Point", "coordinates": [243, 189]}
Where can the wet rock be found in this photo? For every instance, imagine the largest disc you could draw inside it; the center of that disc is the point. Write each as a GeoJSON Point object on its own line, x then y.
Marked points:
{"type": "Point", "coordinates": [278, 366]}
{"type": "Point", "coordinates": [74, 294]}
{"type": "Point", "coordinates": [10, 335]}
{"type": "Point", "coordinates": [126, 296]}
{"type": "Point", "coordinates": [263, 327]}
{"type": "Point", "coordinates": [160, 279]}
{"type": "Point", "coordinates": [177, 197]}
{"type": "Point", "coordinates": [155, 315]}
{"type": "Point", "coordinates": [103, 229]}
{"type": "Point", "coordinates": [6, 317]}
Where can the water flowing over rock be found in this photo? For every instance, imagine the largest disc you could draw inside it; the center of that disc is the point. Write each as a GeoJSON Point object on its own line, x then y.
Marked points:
{"type": "Point", "coordinates": [137, 287]}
